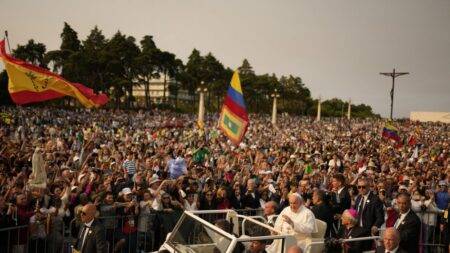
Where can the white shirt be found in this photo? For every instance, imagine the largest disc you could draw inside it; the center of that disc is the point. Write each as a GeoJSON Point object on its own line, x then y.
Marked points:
{"type": "Point", "coordinates": [363, 199]}
{"type": "Point", "coordinates": [340, 190]}
{"type": "Point", "coordinates": [338, 200]}
{"type": "Point", "coordinates": [190, 207]}
{"type": "Point", "coordinates": [391, 251]}
{"type": "Point", "coordinates": [88, 227]}
{"type": "Point", "coordinates": [271, 219]}
{"type": "Point", "coordinates": [401, 218]}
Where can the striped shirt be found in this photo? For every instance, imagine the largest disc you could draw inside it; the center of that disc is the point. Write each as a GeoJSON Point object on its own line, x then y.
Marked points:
{"type": "Point", "coordinates": [130, 166]}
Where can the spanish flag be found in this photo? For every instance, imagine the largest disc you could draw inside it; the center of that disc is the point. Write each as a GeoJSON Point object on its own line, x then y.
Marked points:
{"type": "Point", "coordinates": [31, 84]}
{"type": "Point", "coordinates": [233, 119]}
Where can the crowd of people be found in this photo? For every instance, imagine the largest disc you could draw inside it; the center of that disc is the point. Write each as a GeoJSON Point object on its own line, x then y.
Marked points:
{"type": "Point", "coordinates": [128, 164]}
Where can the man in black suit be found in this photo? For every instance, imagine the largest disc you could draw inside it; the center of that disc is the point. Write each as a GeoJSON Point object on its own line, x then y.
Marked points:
{"type": "Point", "coordinates": [339, 199]}
{"type": "Point", "coordinates": [322, 210]}
{"type": "Point", "coordinates": [251, 197]}
{"type": "Point", "coordinates": [350, 230]}
{"type": "Point", "coordinates": [91, 238]}
{"type": "Point", "coordinates": [369, 207]}
{"type": "Point", "coordinates": [408, 224]}
{"type": "Point", "coordinates": [391, 240]}
{"type": "Point", "coordinates": [270, 211]}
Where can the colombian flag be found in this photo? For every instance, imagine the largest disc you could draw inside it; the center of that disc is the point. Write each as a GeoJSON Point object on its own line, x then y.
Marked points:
{"type": "Point", "coordinates": [234, 118]}
{"type": "Point", "coordinates": [31, 84]}
{"type": "Point", "coordinates": [391, 132]}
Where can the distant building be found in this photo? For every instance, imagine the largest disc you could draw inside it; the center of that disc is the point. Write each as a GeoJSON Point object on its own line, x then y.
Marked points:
{"type": "Point", "coordinates": [430, 116]}
{"type": "Point", "coordinates": [156, 92]}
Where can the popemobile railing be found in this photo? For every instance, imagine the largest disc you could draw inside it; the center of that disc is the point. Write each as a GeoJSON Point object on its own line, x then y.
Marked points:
{"type": "Point", "coordinates": [147, 232]}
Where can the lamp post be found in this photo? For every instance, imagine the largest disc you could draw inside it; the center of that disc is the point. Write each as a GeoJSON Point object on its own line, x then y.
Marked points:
{"type": "Point", "coordinates": [201, 105]}
{"type": "Point", "coordinates": [274, 95]}
{"type": "Point", "coordinates": [393, 74]}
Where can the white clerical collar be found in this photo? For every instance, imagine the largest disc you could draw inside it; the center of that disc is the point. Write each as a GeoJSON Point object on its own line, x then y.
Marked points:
{"type": "Point", "coordinates": [89, 224]}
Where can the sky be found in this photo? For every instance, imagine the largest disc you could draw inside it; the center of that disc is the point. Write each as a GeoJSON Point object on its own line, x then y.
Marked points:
{"type": "Point", "coordinates": [337, 47]}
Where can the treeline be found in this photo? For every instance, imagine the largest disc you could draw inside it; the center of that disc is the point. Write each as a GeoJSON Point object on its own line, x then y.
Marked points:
{"type": "Point", "coordinates": [119, 64]}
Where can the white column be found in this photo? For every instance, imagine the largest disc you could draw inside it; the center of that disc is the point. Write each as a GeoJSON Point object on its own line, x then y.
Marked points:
{"type": "Point", "coordinates": [319, 103]}
{"type": "Point", "coordinates": [201, 108]}
{"type": "Point", "coordinates": [274, 110]}
{"type": "Point", "coordinates": [349, 110]}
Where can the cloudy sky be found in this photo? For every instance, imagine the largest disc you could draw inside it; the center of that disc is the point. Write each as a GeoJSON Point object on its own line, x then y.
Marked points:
{"type": "Point", "coordinates": [338, 47]}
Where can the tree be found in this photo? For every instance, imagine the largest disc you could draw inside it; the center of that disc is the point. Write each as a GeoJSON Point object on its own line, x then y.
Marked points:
{"type": "Point", "coordinates": [167, 65]}
{"type": "Point", "coordinates": [194, 73]}
{"type": "Point", "coordinates": [33, 53]}
{"type": "Point", "coordinates": [214, 77]}
{"type": "Point", "coordinates": [246, 68]}
{"type": "Point", "coordinates": [117, 65]}
{"type": "Point", "coordinates": [121, 54]}
{"type": "Point", "coordinates": [65, 61]}
{"type": "Point", "coordinates": [62, 59]}
{"type": "Point", "coordinates": [295, 97]}
{"type": "Point", "coordinates": [147, 65]}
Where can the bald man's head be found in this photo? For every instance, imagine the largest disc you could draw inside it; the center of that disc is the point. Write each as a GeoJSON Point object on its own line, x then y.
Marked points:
{"type": "Point", "coordinates": [88, 213]}
{"type": "Point", "coordinates": [391, 238]}
{"type": "Point", "coordinates": [294, 249]}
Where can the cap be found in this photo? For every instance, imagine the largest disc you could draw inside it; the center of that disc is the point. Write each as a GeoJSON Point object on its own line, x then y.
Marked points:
{"type": "Point", "coordinates": [402, 187]}
{"type": "Point", "coordinates": [126, 191]}
{"type": "Point", "coordinates": [353, 212]}
{"type": "Point", "coordinates": [153, 181]}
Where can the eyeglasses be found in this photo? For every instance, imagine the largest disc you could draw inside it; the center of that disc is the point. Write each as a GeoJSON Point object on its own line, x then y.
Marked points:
{"type": "Point", "coordinates": [362, 187]}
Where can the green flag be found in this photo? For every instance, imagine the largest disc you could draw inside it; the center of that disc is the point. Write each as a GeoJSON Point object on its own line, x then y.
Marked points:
{"type": "Point", "coordinates": [308, 169]}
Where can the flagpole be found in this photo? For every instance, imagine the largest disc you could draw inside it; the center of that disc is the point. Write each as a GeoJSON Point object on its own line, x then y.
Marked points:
{"type": "Point", "coordinates": [7, 41]}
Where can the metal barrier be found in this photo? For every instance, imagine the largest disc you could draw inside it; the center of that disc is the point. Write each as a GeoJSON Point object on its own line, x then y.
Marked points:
{"type": "Point", "coordinates": [432, 239]}
{"type": "Point", "coordinates": [250, 212]}
{"type": "Point", "coordinates": [146, 233]}
{"type": "Point", "coordinates": [341, 241]}
{"type": "Point", "coordinates": [37, 237]}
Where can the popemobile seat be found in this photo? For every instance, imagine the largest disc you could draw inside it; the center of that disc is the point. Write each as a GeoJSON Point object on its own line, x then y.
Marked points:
{"type": "Point", "coordinates": [318, 237]}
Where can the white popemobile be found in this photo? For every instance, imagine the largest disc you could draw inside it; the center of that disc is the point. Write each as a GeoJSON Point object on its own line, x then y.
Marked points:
{"type": "Point", "coordinates": [194, 232]}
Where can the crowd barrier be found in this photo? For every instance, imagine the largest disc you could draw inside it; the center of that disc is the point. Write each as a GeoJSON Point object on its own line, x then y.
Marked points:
{"type": "Point", "coordinates": [432, 238]}
{"type": "Point", "coordinates": [147, 232]}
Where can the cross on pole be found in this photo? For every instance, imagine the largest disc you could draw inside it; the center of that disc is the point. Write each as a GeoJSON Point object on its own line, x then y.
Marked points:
{"type": "Point", "coordinates": [393, 74]}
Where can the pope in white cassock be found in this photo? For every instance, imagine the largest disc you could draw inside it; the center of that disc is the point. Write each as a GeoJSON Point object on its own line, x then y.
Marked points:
{"type": "Point", "coordinates": [297, 220]}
